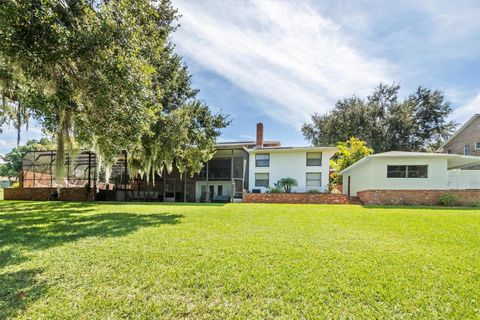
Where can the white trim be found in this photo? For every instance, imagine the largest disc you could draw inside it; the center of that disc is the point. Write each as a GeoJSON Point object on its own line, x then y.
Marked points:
{"type": "Point", "coordinates": [292, 149]}
{"type": "Point", "coordinates": [403, 154]}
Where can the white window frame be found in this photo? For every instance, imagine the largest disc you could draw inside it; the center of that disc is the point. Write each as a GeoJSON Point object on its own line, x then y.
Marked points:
{"type": "Point", "coordinates": [312, 153]}
{"type": "Point", "coordinates": [477, 145]}
{"type": "Point", "coordinates": [407, 167]}
{"type": "Point", "coordinates": [268, 179]}
{"type": "Point", "coordinates": [262, 154]}
{"type": "Point", "coordinates": [307, 179]}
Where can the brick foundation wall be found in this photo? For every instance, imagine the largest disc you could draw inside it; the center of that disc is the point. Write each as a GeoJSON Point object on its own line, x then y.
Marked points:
{"type": "Point", "coordinates": [318, 198]}
{"type": "Point", "coordinates": [43, 194]}
{"type": "Point", "coordinates": [418, 197]}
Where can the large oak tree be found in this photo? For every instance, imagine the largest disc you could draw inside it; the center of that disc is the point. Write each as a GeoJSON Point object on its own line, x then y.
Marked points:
{"type": "Point", "coordinates": [418, 123]}
{"type": "Point", "coordinates": [103, 74]}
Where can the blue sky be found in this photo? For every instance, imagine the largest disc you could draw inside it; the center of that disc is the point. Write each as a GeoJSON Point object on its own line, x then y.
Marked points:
{"type": "Point", "coordinates": [279, 61]}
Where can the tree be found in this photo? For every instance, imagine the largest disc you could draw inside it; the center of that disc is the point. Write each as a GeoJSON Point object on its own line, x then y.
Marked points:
{"type": "Point", "coordinates": [287, 184]}
{"type": "Point", "coordinates": [348, 153]}
{"type": "Point", "coordinates": [13, 109]}
{"type": "Point", "coordinates": [13, 160]}
{"type": "Point", "coordinates": [103, 75]}
{"type": "Point", "coordinates": [419, 123]}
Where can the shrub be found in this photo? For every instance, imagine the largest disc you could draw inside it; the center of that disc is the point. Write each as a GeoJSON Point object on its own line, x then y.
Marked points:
{"type": "Point", "coordinates": [277, 188]}
{"type": "Point", "coordinates": [313, 191]}
{"type": "Point", "coordinates": [446, 199]}
{"type": "Point", "coordinates": [473, 204]}
{"type": "Point", "coordinates": [287, 184]}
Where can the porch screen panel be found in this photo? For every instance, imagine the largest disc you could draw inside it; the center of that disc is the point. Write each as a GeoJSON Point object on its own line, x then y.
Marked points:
{"type": "Point", "coordinates": [220, 168]}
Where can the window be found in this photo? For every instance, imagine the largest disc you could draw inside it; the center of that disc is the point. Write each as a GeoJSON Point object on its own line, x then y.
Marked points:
{"type": "Point", "coordinates": [477, 146]}
{"type": "Point", "coordinates": [262, 160]}
{"type": "Point", "coordinates": [314, 158]}
{"type": "Point", "coordinates": [407, 171]}
{"type": "Point", "coordinates": [220, 190]}
{"type": "Point", "coordinates": [261, 179]}
{"type": "Point", "coordinates": [396, 171]}
{"type": "Point", "coordinates": [466, 150]}
{"type": "Point", "coordinates": [314, 179]}
{"type": "Point", "coordinates": [417, 171]}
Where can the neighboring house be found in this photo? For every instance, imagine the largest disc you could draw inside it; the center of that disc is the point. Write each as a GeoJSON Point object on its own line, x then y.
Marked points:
{"type": "Point", "coordinates": [465, 140]}
{"type": "Point", "coordinates": [4, 182]}
{"type": "Point", "coordinates": [398, 170]}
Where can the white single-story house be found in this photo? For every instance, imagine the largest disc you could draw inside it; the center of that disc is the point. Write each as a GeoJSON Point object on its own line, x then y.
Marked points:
{"type": "Point", "coordinates": [309, 166]}
{"type": "Point", "coordinates": [398, 170]}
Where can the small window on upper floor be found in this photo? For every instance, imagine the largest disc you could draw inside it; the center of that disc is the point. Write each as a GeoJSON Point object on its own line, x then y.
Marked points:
{"type": "Point", "coordinates": [314, 159]}
{"type": "Point", "coordinates": [262, 160]}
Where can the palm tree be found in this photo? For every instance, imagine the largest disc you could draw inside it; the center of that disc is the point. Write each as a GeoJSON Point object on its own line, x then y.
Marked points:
{"type": "Point", "coordinates": [287, 184]}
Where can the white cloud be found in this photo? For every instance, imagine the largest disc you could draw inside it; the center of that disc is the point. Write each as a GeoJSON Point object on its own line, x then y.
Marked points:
{"type": "Point", "coordinates": [284, 52]}
{"type": "Point", "coordinates": [3, 144]}
{"type": "Point", "coordinates": [246, 136]}
{"type": "Point", "coordinates": [466, 111]}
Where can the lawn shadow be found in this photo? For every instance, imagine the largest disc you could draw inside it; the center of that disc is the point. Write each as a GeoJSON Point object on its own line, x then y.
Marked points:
{"type": "Point", "coordinates": [18, 290]}
{"type": "Point", "coordinates": [30, 226]}
{"type": "Point", "coordinates": [42, 225]}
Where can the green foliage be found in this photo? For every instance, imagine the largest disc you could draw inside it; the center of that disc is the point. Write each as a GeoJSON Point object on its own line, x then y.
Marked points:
{"type": "Point", "coordinates": [277, 188]}
{"type": "Point", "coordinates": [287, 184]}
{"type": "Point", "coordinates": [16, 184]}
{"type": "Point", "coordinates": [63, 260]}
{"type": "Point", "coordinates": [13, 160]}
{"type": "Point", "coordinates": [447, 199]}
{"type": "Point", "coordinates": [103, 75]}
{"type": "Point", "coordinates": [419, 123]}
{"type": "Point", "coordinates": [348, 153]}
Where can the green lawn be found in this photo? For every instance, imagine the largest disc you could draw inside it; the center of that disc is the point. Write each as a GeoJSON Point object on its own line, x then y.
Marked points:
{"type": "Point", "coordinates": [237, 261]}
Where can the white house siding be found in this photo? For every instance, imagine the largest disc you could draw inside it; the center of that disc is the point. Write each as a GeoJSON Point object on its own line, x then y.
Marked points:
{"type": "Point", "coordinates": [464, 179]}
{"type": "Point", "coordinates": [372, 175]}
{"type": "Point", "coordinates": [292, 164]}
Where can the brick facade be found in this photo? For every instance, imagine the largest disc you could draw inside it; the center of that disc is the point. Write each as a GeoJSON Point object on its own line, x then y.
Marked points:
{"type": "Point", "coordinates": [418, 197]}
{"type": "Point", "coordinates": [319, 198]}
{"type": "Point", "coordinates": [469, 136]}
{"type": "Point", "coordinates": [43, 194]}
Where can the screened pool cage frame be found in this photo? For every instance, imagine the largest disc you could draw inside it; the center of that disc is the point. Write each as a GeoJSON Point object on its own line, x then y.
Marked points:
{"type": "Point", "coordinates": [81, 170]}
{"type": "Point", "coordinates": [38, 170]}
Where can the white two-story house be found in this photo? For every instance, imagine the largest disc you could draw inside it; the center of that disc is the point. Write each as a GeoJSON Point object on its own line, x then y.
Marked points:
{"type": "Point", "coordinates": [309, 166]}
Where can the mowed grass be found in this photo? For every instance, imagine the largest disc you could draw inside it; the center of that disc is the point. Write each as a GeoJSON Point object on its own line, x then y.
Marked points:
{"type": "Point", "coordinates": [237, 261]}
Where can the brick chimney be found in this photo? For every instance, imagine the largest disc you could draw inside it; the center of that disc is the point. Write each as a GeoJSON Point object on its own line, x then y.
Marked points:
{"type": "Point", "coordinates": [259, 141]}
